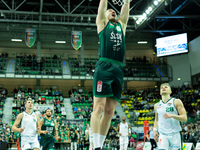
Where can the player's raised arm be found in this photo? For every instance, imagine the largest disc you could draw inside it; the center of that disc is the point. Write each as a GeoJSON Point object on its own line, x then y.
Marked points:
{"type": "Point", "coordinates": [124, 15]}
{"type": "Point", "coordinates": [17, 121]}
{"type": "Point", "coordinates": [101, 16]}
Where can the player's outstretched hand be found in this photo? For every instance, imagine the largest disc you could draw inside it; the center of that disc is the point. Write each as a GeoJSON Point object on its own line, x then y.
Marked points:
{"type": "Point", "coordinates": [120, 134]}
{"type": "Point", "coordinates": [21, 129]}
{"type": "Point", "coordinates": [155, 134]}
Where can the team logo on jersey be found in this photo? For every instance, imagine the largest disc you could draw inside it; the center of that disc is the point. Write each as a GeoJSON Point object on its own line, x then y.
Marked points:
{"type": "Point", "coordinates": [33, 115]}
{"type": "Point", "coordinates": [169, 104]}
{"type": "Point", "coordinates": [118, 28]}
{"type": "Point", "coordinates": [34, 120]}
{"type": "Point", "coordinates": [99, 86]}
{"type": "Point", "coordinates": [159, 106]}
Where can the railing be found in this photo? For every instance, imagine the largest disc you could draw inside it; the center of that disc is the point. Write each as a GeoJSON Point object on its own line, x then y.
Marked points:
{"type": "Point", "coordinates": [20, 55]}
{"type": "Point", "coordinates": [41, 87]}
{"type": "Point", "coordinates": [34, 72]}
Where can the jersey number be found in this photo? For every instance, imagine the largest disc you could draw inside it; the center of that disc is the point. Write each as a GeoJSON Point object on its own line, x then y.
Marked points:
{"type": "Point", "coordinates": [169, 109]}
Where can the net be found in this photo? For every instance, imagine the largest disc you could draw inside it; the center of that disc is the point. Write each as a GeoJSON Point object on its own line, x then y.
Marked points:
{"type": "Point", "coordinates": [120, 2]}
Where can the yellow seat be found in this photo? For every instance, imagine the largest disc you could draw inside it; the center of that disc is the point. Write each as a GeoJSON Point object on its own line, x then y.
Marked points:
{"type": "Point", "coordinates": [139, 118]}
{"type": "Point", "coordinates": [128, 115]}
{"type": "Point", "coordinates": [126, 111]}
{"type": "Point", "coordinates": [122, 105]}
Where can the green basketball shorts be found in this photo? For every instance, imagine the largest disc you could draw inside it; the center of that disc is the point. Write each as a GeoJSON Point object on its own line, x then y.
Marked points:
{"type": "Point", "coordinates": [108, 79]}
{"type": "Point", "coordinates": [47, 143]}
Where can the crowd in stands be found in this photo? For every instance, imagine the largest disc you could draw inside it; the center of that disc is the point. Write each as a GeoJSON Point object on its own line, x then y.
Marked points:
{"type": "Point", "coordinates": [47, 96]}
{"type": "Point", "coordinates": [3, 96]}
{"type": "Point", "coordinates": [82, 103]}
{"type": "Point", "coordinates": [137, 66]}
{"type": "Point", "coordinates": [29, 64]}
{"type": "Point", "coordinates": [82, 108]}
{"type": "Point", "coordinates": [78, 69]}
{"type": "Point", "coordinates": [3, 62]}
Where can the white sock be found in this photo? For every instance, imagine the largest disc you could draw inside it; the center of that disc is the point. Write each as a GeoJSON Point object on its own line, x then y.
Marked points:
{"type": "Point", "coordinates": [101, 140]}
{"type": "Point", "coordinates": [96, 137]}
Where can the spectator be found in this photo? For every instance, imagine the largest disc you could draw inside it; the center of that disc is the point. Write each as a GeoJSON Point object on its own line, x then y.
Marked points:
{"type": "Point", "coordinates": [80, 116]}
{"type": "Point", "coordinates": [107, 144]}
{"type": "Point", "coordinates": [57, 93]}
{"type": "Point", "coordinates": [77, 99]}
{"type": "Point", "coordinates": [4, 92]}
{"type": "Point", "coordinates": [75, 110]}
{"type": "Point", "coordinates": [15, 90]}
{"type": "Point", "coordinates": [132, 143]}
{"type": "Point", "coordinates": [90, 100]}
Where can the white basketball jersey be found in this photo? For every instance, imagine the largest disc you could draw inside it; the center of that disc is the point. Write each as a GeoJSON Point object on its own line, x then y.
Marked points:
{"type": "Point", "coordinates": [123, 129]}
{"type": "Point", "coordinates": [169, 125]}
{"type": "Point", "coordinates": [30, 124]}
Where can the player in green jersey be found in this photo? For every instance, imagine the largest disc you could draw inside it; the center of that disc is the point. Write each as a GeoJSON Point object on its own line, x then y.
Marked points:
{"type": "Point", "coordinates": [73, 138]}
{"type": "Point", "coordinates": [48, 130]}
{"type": "Point", "coordinates": [108, 76]}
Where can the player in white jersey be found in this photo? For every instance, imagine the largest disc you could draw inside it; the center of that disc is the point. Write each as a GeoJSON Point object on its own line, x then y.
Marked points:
{"type": "Point", "coordinates": [89, 135]}
{"type": "Point", "coordinates": [29, 126]}
{"type": "Point", "coordinates": [124, 131]}
{"type": "Point", "coordinates": [168, 114]}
